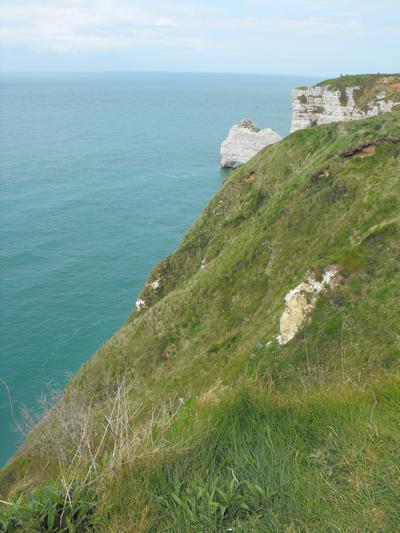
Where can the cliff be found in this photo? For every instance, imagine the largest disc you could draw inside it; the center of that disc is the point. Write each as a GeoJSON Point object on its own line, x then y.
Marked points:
{"type": "Point", "coordinates": [346, 98]}
{"type": "Point", "coordinates": [244, 141]}
{"type": "Point", "coordinates": [269, 337]}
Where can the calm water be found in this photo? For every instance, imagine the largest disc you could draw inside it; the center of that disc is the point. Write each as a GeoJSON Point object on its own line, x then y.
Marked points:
{"type": "Point", "coordinates": [101, 176]}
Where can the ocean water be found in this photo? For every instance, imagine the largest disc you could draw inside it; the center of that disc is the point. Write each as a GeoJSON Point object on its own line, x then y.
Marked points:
{"type": "Point", "coordinates": [101, 176]}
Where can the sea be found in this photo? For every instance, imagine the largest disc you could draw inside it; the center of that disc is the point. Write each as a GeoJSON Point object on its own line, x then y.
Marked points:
{"type": "Point", "coordinates": [101, 176]}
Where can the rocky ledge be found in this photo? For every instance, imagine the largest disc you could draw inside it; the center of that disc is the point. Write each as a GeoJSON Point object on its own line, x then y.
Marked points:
{"type": "Point", "coordinates": [244, 141]}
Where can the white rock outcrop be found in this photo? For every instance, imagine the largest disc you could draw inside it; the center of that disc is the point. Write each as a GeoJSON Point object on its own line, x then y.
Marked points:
{"type": "Point", "coordinates": [140, 304]}
{"type": "Point", "coordinates": [244, 141]}
{"type": "Point", "coordinates": [152, 285]}
{"type": "Point", "coordinates": [321, 105]}
{"type": "Point", "coordinates": [301, 300]}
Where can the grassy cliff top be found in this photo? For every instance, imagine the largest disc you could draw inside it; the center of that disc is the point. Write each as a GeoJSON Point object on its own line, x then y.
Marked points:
{"type": "Point", "coordinates": [386, 86]}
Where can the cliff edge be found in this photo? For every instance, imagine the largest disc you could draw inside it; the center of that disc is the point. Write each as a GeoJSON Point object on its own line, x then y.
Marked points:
{"type": "Point", "coordinates": [343, 99]}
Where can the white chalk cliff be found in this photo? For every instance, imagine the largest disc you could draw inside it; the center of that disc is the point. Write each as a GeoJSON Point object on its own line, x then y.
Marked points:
{"type": "Point", "coordinates": [244, 141]}
{"type": "Point", "coordinates": [301, 300]}
{"type": "Point", "coordinates": [322, 105]}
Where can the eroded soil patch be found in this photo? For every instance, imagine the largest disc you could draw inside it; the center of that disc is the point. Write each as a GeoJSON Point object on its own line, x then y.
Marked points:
{"type": "Point", "coordinates": [368, 148]}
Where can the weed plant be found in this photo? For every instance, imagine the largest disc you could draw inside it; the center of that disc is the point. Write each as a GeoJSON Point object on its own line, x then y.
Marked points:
{"type": "Point", "coordinates": [55, 510]}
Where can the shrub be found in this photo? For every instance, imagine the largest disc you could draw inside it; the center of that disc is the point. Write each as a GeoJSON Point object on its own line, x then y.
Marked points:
{"type": "Point", "coordinates": [338, 298]}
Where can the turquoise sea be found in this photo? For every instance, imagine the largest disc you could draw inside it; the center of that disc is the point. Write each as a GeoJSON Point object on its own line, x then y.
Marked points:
{"type": "Point", "coordinates": [101, 176]}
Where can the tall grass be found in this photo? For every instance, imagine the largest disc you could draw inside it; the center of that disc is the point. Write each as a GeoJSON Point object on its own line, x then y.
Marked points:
{"type": "Point", "coordinates": [244, 459]}
{"type": "Point", "coordinates": [247, 458]}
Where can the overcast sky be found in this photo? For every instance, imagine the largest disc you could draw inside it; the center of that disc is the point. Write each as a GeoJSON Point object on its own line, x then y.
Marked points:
{"type": "Point", "coordinates": [304, 37]}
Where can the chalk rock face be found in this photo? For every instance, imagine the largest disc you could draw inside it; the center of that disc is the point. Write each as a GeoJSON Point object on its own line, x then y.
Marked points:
{"type": "Point", "coordinates": [301, 300]}
{"type": "Point", "coordinates": [244, 141]}
{"type": "Point", "coordinates": [321, 105]}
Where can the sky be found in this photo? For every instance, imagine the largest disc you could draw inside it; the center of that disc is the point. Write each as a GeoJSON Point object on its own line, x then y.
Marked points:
{"type": "Point", "coordinates": [290, 37]}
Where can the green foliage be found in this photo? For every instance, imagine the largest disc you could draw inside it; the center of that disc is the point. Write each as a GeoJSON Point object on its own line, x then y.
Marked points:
{"type": "Point", "coordinates": [333, 326]}
{"type": "Point", "coordinates": [55, 510]}
{"type": "Point", "coordinates": [218, 504]}
{"type": "Point", "coordinates": [227, 343]}
{"type": "Point", "coordinates": [302, 99]}
{"type": "Point", "coordinates": [250, 460]}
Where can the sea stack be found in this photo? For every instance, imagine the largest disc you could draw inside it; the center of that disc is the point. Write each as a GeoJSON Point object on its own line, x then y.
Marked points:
{"type": "Point", "coordinates": [244, 141]}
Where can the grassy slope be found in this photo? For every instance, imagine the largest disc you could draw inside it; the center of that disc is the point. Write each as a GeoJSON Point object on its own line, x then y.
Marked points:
{"type": "Point", "coordinates": [259, 239]}
{"type": "Point", "coordinates": [321, 461]}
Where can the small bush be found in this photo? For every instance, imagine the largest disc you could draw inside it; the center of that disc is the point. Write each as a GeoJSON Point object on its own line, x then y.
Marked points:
{"type": "Point", "coordinates": [338, 298]}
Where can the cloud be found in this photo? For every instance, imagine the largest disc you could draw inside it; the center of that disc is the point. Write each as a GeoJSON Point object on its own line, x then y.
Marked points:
{"type": "Point", "coordinates": [77, 13]}
{"type": "Point", "coordinates": [85, 24]}
{"type": "Point", "coordinates": [230, 27]}
{"type": "Point", "coordinates": [181, 8]}
{"type": "Point", "coordinates": [304, 26]}
{"type": "Point", "coordinates": [165, 22]}
{"type": "Point", "coordinates": [331, 5]}
{"type": "Point", "coordinates": [316, 25]}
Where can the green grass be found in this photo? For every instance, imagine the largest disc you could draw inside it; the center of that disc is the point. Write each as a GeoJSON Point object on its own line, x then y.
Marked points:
{"type": "Point", "coordinates": [247, 458]}
{"type": "Point", "coordinates": [259, 240]}
{"type": "Point", "coordinates": [251, 460]}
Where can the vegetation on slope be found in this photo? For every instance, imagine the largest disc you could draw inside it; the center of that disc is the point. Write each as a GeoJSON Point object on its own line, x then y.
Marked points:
{"type": "Point", "coordinates": [309, 206]}
{"type": "Point", "coordinates": [249, 459]}
{"type": "Point", "coordinates": [252, 460]}
{"type": "Point", "coordinates": [322, 196]}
